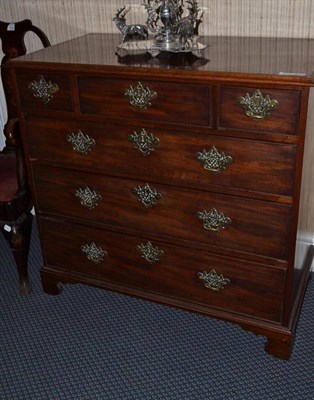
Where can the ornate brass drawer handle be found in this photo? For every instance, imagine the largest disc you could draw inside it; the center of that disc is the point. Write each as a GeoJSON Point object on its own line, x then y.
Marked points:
{"type": "Point", "coordinates": [140, 97]}
{"type": "Point", "coordinates": [144, 142]}
{"type": "Point", "coordinates": [81, 143]}
{"type": "Point", "coordinates": [213, 220]}
{"type": "Point", "coordinates": [146, 195]}
{"type": "Point", "coordinates": [93, 252]}
{"type": "Point", "coordinates": [150, 253]}
{"type": "Point", "coordinates": [213, 161]}
{"type": "Point", "coordinates": [43, 90]}
{"type": "Point", "coordinates": [257, 106]}
{"type": "Point", "coordinates": [88, 197]}
{"type": "Point", "coordinates": [213, 281]}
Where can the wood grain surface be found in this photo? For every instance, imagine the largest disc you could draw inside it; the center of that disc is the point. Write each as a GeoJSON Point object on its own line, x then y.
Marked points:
{"type": "Point", "coordinates": [63, 20]}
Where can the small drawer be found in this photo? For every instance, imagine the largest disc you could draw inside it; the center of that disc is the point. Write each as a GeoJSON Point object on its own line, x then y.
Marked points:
{"type": "Point", "coordinates": [151, 267]}
{"type": "Point", "coordinates": [183, 158]}
{"type": "Point", "coordinates": [146, 100]}
{"type": "Point", "coordinates": [259, 109]}
{"type": "Point", "coordinates": [220, 221]}
{"type": "Point", "coordinates": [44, 91]}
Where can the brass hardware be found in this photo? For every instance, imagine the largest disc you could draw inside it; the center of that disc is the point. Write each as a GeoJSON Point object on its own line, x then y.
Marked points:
{"type": "Point", "coordinates": [94, 253]}
{"type": "Point", "coordinates": [140, 97]}
{"type": "Point", "coordinates": [214, 161]}
{"type": "Point", "coordinates": [146, 195]}
{"type": "Point", "coordinates": [150, 253]}
{"type": "Point", "coordinates": [144, 142]}
{"type": "Point", "coordinates": [213, 220]}
{"type": "Point", "coordinates": [43, 90]}
{"type": "Point", "coordinates": [257, 106]}
{"type": "Point", "coordinates": [213, 281]}
{"type": "Point", "coordinates": [88, 197]}
{"type": "Point", "coordinates": [81, 143]}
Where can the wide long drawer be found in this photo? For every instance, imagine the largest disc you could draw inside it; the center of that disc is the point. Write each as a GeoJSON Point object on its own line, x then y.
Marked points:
{"type": "Point", "coordinates": [229, 222]}
{"type": "Point", "coordinates": [173, 271]}
{"type": "Point", "coordinates": [178, 103]}
{"type": "Point", "coordinates": [186, 158]}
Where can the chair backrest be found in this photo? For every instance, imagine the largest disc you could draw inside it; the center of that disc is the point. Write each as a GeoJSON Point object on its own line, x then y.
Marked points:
{"type": "Point", "coordinates": [12, 36]}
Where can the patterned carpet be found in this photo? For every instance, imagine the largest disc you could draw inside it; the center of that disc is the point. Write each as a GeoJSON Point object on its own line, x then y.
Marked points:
{"type": "Point", "coordinates": [91, 344]}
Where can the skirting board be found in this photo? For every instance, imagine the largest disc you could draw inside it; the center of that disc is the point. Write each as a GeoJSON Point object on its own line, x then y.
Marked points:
{"type": "Point", "coordinates": [304, 242]}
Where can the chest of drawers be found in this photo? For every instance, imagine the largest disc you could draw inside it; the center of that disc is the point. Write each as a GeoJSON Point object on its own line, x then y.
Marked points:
{"type": "Point", "coordinates": [176, 180]}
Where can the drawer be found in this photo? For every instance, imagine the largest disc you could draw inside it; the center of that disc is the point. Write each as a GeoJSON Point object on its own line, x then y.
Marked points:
{"type": "Point", "coordinates": [187, 159]}
{"type": "Point", "coordinates": [168, 270]}
{"type": "Point", "coordinates": [187, 104]}
{"type": "Point", "coordinates": [239, 224]}
{"type": "Point", "coordinates": [279, 115]}
{"type": "Point", "coordinates": [48, 91]}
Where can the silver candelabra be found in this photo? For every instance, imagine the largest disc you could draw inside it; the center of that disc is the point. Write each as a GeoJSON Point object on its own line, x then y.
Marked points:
{"type": "Point", "coordinates": [173, 25]}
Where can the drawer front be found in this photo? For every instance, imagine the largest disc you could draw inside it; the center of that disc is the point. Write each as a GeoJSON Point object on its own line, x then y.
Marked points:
{"type": "Point", "coordinates": [171, 271]}
{"type": "Point", "coordinates": [217, 220]}
{"type": "Point", "coordinates": [248, 108]}
{"type": "Point", "coordinates": [172, 156]}
{"type": "Point", "coordinates": [163, 102]}
{"type": "Point", "coordinates": [46, 91]}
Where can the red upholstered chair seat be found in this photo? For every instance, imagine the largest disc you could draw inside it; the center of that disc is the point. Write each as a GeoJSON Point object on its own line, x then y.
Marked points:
{"type": "Point", "coordinates": [8, 177]}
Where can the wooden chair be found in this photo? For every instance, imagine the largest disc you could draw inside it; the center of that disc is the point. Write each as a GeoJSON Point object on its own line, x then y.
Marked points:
{"type": "Point", "coordinates": [15, 197]}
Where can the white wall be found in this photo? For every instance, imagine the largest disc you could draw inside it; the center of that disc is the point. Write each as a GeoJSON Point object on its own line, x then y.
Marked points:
{"type": "Point", "coordinates": [64, 19]}
{"type": "Point", "coordinates": [3, 115]}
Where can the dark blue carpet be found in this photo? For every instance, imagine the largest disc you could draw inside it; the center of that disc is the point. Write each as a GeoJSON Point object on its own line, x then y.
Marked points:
{"type": "Point", "coordinates": [91, 344]}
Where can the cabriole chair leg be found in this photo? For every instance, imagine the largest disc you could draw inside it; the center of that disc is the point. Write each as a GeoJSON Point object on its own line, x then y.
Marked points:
{"type": "Point", "coordinates": [19, 241]}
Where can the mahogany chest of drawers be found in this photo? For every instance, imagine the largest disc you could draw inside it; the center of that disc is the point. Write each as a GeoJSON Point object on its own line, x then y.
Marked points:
{"type": "Point", "coordinates": [174, 179]}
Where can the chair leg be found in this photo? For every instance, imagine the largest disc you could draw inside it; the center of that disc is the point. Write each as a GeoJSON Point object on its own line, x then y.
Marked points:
{"type": "Point", "coordinates": [19, 240]}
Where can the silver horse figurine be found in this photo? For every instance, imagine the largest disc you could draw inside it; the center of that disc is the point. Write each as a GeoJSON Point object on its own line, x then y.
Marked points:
{"type": "Point", "coordinates": [129, 30]}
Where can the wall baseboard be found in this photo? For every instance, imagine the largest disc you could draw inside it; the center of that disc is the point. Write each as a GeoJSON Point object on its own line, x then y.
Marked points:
{"type": "Point", "coordinates": [304, 241]}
